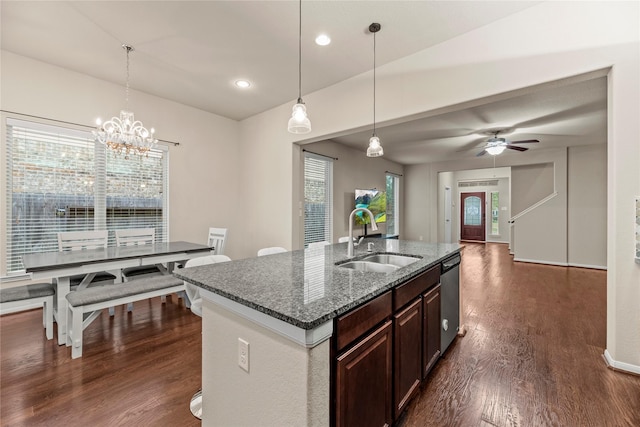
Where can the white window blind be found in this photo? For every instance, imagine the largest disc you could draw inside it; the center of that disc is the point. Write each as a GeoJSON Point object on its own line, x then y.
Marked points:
{"type": "Point", "coordinates": [59, 179]}
{"type": "Point", "coordinates": [318, 199]}
{"type": "Point", "coordinates": [393, 206]}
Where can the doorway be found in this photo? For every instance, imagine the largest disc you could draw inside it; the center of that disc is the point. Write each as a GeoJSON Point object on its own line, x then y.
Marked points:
{"type": "Point", "coordinates": [472, 216]}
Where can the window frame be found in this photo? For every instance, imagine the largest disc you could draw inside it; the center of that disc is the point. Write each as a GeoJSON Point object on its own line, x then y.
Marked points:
{"type": "Point", "coordinates": [327, 232]}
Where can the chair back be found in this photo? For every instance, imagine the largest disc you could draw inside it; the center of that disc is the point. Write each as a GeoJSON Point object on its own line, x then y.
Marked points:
{"type": "Point", "coordinates": [318, 244]}
{"type": "Point", "coordinates": [271, 250]}
{"type": "Point", "coordinates": [193, 292]}
{"type": "Point", "coordinates": [217, 239]}
{"type": "Point", "coordinates": [135, 236]}
{"type": "Point", "coordinates": [78, 240]}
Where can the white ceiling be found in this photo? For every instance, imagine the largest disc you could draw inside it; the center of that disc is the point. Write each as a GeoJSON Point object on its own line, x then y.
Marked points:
{"type": "Point", "coordinates": [192, 52]}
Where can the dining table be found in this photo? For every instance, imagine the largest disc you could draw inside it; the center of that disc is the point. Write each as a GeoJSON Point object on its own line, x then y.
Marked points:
{"type": "Point", "coordinates": [61, 266]}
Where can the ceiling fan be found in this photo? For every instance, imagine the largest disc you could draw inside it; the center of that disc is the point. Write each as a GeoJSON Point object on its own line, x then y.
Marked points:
{"type": "Point", "coordinates": [496, 145]}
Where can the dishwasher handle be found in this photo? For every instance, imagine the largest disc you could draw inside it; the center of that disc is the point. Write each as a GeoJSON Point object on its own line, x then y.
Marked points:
{"type": "Point", "coordinates": [450, 263]}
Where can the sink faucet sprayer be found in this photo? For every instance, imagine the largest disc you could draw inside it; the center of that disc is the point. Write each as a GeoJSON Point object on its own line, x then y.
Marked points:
{"type": "Point", "coordinates": [350, 243]}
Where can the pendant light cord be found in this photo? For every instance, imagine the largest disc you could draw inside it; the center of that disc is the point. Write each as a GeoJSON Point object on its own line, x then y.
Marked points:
{"type": "Point", "coordinates": [374, 83]}
{"type": "Point", "coordinates": [300, 52]}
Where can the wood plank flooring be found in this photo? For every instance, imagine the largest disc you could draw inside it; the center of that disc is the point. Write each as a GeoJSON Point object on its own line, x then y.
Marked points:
{"type": "Point", "coordinates": [532, 356]}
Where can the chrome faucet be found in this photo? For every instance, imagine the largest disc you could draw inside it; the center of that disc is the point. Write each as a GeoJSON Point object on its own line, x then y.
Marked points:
{"type": "Point", "coordinates": [350, 244]}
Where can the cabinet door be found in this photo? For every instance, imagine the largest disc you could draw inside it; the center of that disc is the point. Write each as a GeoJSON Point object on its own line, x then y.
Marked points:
{"type": "Point", "coordinates": [431, 329]}
{"type": "Point", "coordinates": [363, 381]}
{"type": "Point", "coordinates": [407, 339]}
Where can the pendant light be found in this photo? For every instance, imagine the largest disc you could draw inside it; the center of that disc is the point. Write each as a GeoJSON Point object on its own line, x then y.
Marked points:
{"type": "Point", "coordinates": [374, 149]}
{"type": "Point", "coordinates": [299, 122]}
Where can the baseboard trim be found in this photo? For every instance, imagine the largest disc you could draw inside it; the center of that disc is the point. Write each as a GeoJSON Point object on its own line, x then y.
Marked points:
{"type": "Point", "coordinates": [536, 261]}
{"type": "Point", "coordinates": [620, 366]}
{"type": "Point", "coordinates": [595, 267]}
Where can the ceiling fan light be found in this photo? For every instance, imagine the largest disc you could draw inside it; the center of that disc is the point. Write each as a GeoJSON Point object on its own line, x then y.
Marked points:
{"type": "Point", "coordinates": [495, 150]}
{"type": "Point", "coordinates": [299, 122]}
{"type": "Point", "coordinates": [374, 149]}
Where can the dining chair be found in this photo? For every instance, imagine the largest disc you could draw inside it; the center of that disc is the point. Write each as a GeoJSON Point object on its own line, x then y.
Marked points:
{"type": "Point", "coordinates": [84, 240]}
{"type": "Point", "coordinates": [195, 304]}
{"type": "Point", "coordinates": [271, 250]}
{"type": "Point", "coordinates": [137, 237]}
{"type": "Point", "coordinates": [318, 244]}
{"type": "Point", "coordinates": [217, 239]}
{"type": "Point", "coordinates": [81, 240]}
{"type": "Point", "coordinates": [343, 239]}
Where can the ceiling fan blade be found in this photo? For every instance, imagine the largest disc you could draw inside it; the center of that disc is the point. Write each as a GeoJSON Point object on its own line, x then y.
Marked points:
{"type": "Point", "coordinates": [482, 153]}
{"type": "Point", "coordinates": [513, 147]}
{"type": "Point", "coordinates": [524, 141]}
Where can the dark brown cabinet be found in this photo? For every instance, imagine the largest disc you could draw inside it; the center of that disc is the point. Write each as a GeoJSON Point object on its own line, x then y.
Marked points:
{"type": "Point", "coordinates": [363, 380]}
{"type": "Point", "coordinates": [383, 349]}
{"type": "Point", "coordinates": [431, 328]}
{"type": "Point", "coordinates": [407, 354]}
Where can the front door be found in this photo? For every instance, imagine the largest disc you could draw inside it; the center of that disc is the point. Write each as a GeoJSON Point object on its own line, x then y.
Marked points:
{"type": "Point", "coordinates": [472, 216]}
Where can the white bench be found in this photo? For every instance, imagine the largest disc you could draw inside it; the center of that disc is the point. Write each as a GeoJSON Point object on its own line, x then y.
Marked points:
{"type": "Point", "coordinates": [92, 300]}
{"type": "Point", "coordinates": [25, 297]}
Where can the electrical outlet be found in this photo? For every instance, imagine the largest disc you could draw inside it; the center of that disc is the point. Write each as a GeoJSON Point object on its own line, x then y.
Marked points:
{"type": "Point", "coordinates": [243, 354]}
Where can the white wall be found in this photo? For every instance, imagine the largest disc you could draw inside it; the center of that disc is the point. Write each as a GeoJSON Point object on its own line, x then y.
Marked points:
{"type": "Point", "coordinates": [352, 170]}
{"type": "Point", "coordinates": [530, 184]}
{"type": "Point", "coordinates": [203, 169]}
{"type": "Point", "coordinates": [571, 38]}
{"type": "Point", "coordinates": [587, 212]}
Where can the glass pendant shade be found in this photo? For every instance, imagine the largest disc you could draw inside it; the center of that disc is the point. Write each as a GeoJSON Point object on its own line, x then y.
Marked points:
{"type": "Point", "coordinates": [495, 150]}
{"type": "Point", "coordinates": [299, 122]}
{"type": "Point", "coordinates": [374, 149]}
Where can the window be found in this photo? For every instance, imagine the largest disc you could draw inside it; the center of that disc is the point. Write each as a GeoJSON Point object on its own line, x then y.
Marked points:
{"type": "Point", "coordinates": [393, 207]}
{"type": "Point", "coordinates": [59, 179]}
{"type": "Point", "coordinates": [472, 211]}
{"type": "Point", "coordinates": [495, 210]}
{"type": "Point", "coordinates": [318, 199]}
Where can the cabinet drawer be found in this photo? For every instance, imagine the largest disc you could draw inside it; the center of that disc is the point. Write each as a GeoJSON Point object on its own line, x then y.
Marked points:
{"type": "Point", "coordinates": [352, 325]}
{"type": "Point", "coordinates": [406, 292]}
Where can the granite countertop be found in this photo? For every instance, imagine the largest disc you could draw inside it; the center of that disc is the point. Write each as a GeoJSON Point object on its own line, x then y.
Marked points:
{"type": "Point", "coordinates": [305, 288]}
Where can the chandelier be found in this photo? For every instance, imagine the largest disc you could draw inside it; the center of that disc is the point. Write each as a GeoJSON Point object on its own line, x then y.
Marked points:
{"type": "Point", "coordinates": [124, 134]}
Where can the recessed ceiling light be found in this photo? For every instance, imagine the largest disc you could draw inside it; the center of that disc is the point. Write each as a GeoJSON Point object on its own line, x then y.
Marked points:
{"type": "Point", "coordinates": [323, 40]}
{"type": "Point", "coordinates": [243, 84]}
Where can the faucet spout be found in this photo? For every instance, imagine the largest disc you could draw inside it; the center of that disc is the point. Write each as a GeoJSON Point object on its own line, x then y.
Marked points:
{"type": "Point", "coordinates": [374, 227]}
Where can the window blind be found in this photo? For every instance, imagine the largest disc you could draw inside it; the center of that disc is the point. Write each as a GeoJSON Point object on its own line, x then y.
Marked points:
{"type": "Point", "coordinates": [318, 199]}
{"type": "Point", "coordinates": [393, 207]}
{"type": "Point", "coordinates": [59, 179]}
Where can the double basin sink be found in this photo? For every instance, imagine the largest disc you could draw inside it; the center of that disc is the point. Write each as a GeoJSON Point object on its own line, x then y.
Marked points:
{"type": "Point", "coordinates": [380, 263]}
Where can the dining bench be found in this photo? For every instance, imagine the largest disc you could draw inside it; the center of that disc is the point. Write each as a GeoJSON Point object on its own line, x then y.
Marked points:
{"type": "Point", "coordinates": [92, 300]}
{"type": "Point", "coordinates": [25, 297]}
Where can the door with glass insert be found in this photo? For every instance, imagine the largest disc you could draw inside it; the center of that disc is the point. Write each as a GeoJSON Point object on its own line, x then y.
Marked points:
{"type": "Point", "coordinates": [472, 216]}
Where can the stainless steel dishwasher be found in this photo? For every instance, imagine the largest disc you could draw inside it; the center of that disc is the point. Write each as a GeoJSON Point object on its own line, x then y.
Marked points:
{"type": "Point", "coordinates": [449, 300]}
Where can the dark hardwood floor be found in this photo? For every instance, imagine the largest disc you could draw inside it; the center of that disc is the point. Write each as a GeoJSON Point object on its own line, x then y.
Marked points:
{"type": "Point", "coordinates": [137, 369]}
{"type": "Point", "coordinates": [532, 356]}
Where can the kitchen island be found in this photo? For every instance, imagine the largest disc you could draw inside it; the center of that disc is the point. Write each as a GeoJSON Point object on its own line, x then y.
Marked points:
{"type": "Point", "coordinates": [285, 307]}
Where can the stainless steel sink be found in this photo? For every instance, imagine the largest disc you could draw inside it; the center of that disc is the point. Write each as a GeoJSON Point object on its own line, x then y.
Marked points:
{"type": "Point", "coordinates": [389, 259]}
{"type": "Point", "coordinates": [369, 266]}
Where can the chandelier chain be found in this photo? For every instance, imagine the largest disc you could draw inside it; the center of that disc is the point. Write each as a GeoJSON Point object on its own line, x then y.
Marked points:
{"type": "Point", "coordinates": [128, 49]}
